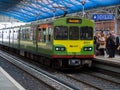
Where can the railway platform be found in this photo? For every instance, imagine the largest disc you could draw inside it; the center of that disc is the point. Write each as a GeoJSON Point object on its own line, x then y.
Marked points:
{"type": "Point", "coordinates": [115, 60]}
{"type": "Point", "coordinates": [7, 82]}
{"type": "Point", "coordinates": [109, 64]}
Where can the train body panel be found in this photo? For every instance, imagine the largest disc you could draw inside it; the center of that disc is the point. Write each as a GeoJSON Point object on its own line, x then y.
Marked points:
{"type": "Point", "coordinates": [68, 41]}
{"type": "Point", "coordinates": [10, 37]}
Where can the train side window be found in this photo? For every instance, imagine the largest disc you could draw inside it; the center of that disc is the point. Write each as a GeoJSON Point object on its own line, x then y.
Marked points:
{"type": "Point", "coordinates": [61, 33]}
{"type": "Point", "coordinates": [74, 33]}
{"type": "Point", "coordinates": [86, 33]}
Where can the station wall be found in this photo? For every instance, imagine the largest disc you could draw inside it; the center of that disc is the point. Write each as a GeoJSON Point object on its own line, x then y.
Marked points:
{"type": "Point", "coordinates": [107, 26]}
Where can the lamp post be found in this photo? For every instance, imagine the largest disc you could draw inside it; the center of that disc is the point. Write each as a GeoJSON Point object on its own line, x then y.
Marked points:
{"type": "Point", "coordinates": [36, 28]}
{"type": "Point", "coordinates": [83, 3]}
{"type": "Point", "coordinates": [54, 14]}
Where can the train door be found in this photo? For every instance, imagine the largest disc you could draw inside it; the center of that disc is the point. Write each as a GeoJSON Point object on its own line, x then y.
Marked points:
{"type": "Point", "coordinates": [15, 36]}
{"type": "Point", "coordinates": [6, 36]}
{"type": "Point", "coordinates": [11, 36]}
{"type": "Point", "coordinates": [42, 33]}
{"type": "Point", "coordinates": [50, 32]}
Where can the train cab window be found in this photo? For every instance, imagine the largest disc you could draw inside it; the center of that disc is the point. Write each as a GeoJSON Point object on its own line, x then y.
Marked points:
{"type": "Point", "coordinates": [86, 33]}
{"type": "Point", "coordinates": [74, 33]}
{"type": "Point", "coordinates": [61, 33]}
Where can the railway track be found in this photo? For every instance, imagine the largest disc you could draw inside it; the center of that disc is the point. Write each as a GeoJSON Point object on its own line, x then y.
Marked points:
{"type": "Point", "coordinates": [97, 80]}
{"type": "Point", "coordinates": [82, 80]}
{"type": "Point", "coordinates": [39, 74]}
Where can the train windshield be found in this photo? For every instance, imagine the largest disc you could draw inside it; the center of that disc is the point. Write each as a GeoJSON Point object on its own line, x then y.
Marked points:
{"type": "Point", "coordinates": [73, 33]}
{"type": "Point", "coordinates": [86, 33]}
{"type": "Point", "coordinates": [61, 33]}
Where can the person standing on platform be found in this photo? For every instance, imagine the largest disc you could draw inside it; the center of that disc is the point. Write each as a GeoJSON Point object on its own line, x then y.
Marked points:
{"type": "Point", "coordinates": [96, 42]}
{"type": "Point", "coordinates": [111, 44]}
{"type": "Point", "coordinates": [102, 44]}
{"type": "Point", "coordinates": [117, 41]}
{"type": "Point", "coordinates": [107, 44]}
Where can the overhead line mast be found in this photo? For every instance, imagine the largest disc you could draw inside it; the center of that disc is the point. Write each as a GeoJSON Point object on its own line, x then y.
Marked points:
{"type": "Point", "coordinates": [83, 3]}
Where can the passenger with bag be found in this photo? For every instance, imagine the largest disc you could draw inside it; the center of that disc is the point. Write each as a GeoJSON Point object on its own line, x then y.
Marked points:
{"type": "Point", "coordinates": [102, 44]}
{"type": "Point", "coordinates": [97, 43]}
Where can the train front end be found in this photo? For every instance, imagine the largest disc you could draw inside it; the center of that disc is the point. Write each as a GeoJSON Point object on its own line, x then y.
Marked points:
{"type": "Point", "coordinates": [73, 42]}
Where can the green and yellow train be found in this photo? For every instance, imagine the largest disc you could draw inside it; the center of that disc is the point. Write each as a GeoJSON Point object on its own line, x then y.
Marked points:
{"type": "Point", "coordinates": [65, 43]}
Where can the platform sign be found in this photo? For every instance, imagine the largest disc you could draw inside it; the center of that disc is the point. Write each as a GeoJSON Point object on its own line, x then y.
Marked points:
{"type": "Point", "coordinates": [102, 17]}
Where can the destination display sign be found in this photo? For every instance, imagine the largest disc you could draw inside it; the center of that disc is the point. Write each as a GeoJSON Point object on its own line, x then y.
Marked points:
{"type": "Point", "coordinates": [74, 20]}
{"type": "Point", "coordinates": [102, 17]}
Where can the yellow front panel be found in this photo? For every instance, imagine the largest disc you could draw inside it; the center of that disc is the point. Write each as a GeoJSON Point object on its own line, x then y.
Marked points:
{"type": "Point", "coordinates": [71, 45]}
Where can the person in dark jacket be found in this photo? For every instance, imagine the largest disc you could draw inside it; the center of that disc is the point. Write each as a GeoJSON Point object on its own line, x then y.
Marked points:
{"type": "Point", "coordinates": [117, 42]}
{"type": "Point", "coordinates": [107, 44]}
{"type": "Point", "coordinates": [111, 45]}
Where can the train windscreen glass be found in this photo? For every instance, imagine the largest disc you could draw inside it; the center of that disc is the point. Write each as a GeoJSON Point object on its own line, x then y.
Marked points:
{"type": "Point", "coordinates": [73, 33]}
{"type": "Point", "coordinates": [61, 33]}
{"type": "Point", "coordinates": [86, 33]}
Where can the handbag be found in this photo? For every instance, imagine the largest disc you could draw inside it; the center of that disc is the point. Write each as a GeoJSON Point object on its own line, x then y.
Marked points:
{"type": "Point", "coordinates": [102, 42]}
{"type": "Point", "coordinates": [118, 48]}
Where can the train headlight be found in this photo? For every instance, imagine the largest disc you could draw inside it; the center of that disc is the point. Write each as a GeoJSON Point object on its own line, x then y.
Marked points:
{"type": "Point", "coordinates": [90, 49]}
{"type": "Point", "coordinates": [87, 48]}
{"type": "Point", "coordinates": [57, 49]}
{"type": "Point", "coordinates": [60, 48]}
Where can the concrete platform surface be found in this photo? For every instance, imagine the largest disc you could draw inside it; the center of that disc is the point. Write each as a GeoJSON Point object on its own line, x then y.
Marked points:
{"type": "Point", "coordinates": [7, 82]}
{"type": "Point", "coordinates": [115, 60]}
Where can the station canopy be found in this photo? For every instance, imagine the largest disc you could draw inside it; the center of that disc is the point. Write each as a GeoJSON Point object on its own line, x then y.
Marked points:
{"type": "Point", "coordinates": [32, 10]}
